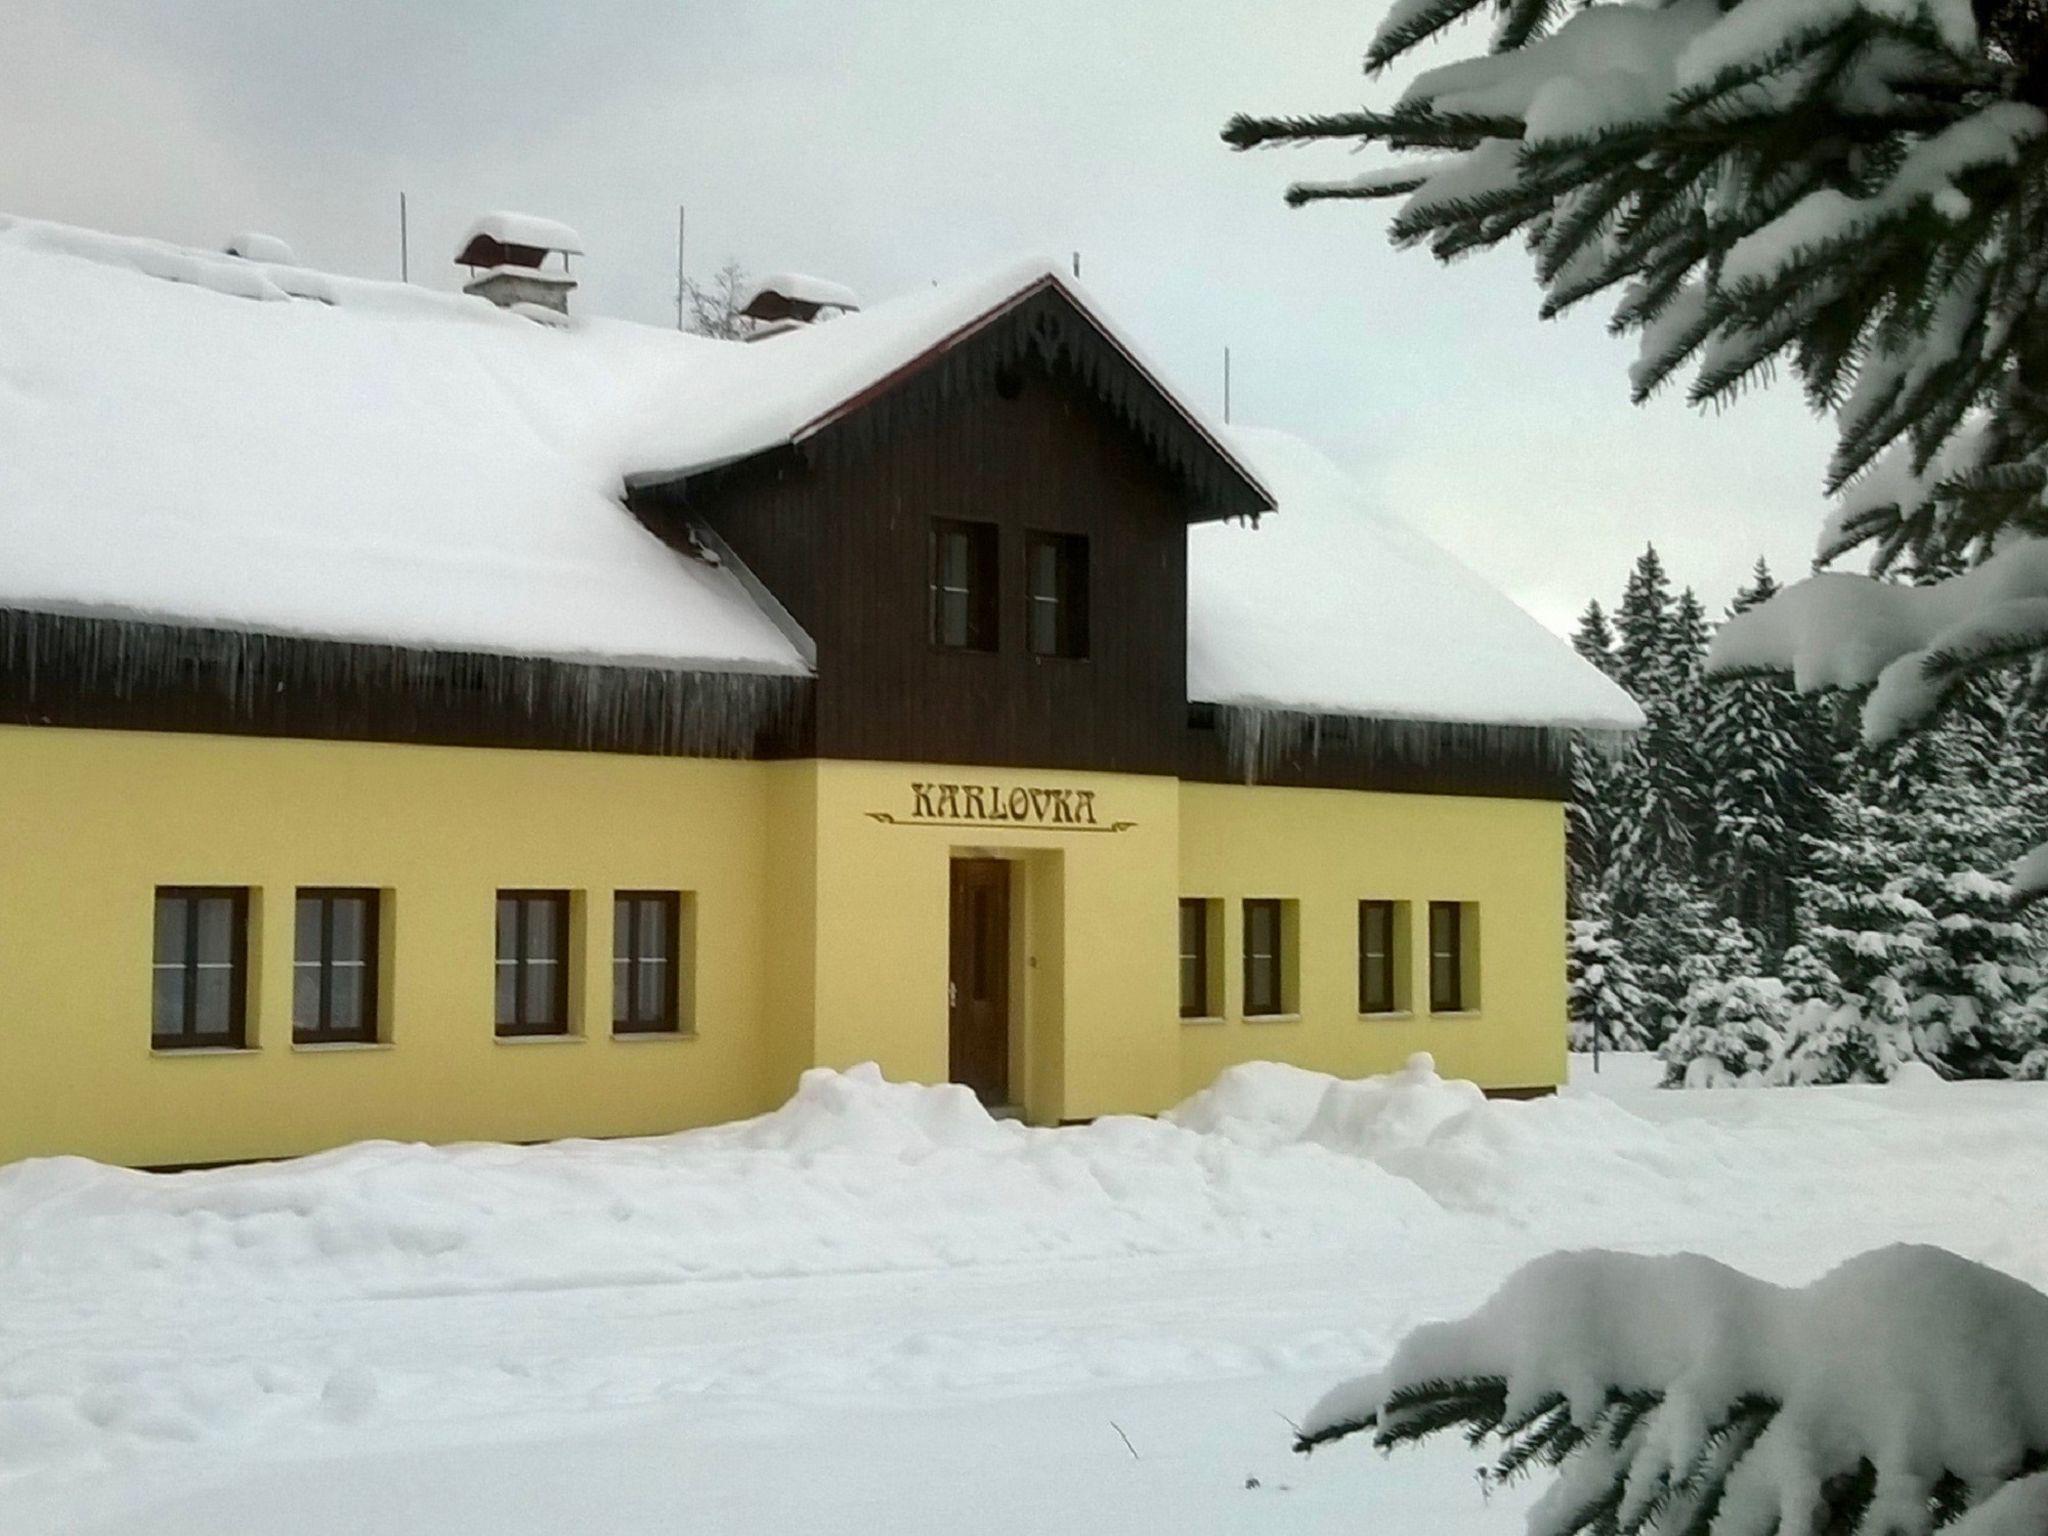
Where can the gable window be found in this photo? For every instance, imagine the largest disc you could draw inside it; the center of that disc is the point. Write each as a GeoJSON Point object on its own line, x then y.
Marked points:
{"type": "Point", "coordinates": [1378, 957]}
{"type": "Point", "coordinates": [334, 967]}
{"type": "Point", "coordinates": [1056, 594]}
{"type": "Point", "coordinates": [1447, 958]}
{"type": "Point", "coordinates": [1264, 933]}
{"type": "Point", "coordinates": [1197, 1000]}
{"type": "Point", "coordinates": [199, 979]}
{"type": "Point", "coordinates": [963, 585]}
{"type": "Point", "coordinates": [533, 963]}
{"type": "Point", "coordinates": [647, 962]}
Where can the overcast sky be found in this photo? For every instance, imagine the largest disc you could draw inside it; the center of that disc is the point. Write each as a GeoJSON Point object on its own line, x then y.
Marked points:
{"type": "Point", "coordinates": [886, 144]}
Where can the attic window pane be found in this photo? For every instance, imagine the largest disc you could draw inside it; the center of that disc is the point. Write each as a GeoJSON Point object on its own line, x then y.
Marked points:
{"type": "Point", "coordinates": [963, 585]}
{"type": "Point", "coordinates": [1056, 594]}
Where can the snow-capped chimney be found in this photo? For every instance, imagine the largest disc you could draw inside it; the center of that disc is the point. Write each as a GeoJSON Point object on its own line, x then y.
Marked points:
{"type": "Point", "coordinates": [505, 254]}
{"type": "Point", "coordinates": [784, 301]}
{"type": "Point", "coordinates": [253, 246]}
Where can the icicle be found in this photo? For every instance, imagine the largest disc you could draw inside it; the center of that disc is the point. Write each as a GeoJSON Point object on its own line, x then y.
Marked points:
{"type": "Point", "coordinates": [55, 667]}
{"type": "Point", "coordinates": [1261, 742]}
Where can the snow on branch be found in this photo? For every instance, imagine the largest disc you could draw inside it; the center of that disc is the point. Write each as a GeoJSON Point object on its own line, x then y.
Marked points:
{"type": "Point", "coordinates": [1674, 1394]}
{"type": "Point", "coordinates": [1835, 630]}
{"type": "Point", "coordinates": [1856, 190]}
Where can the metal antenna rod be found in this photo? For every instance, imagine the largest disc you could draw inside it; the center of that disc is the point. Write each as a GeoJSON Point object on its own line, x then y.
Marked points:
{"type": "Point", "coordinates": [681, 213]}
{"type": "Point", "coordinates": [404, 253]}
{"type": "Point", "coordinates": [1226, 386]}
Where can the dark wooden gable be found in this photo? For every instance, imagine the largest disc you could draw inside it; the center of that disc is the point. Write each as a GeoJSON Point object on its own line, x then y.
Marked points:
{"type": "Point", "coordinates": [1016, 429]}
{"type": "Point", "coordinates": [1045, 325]}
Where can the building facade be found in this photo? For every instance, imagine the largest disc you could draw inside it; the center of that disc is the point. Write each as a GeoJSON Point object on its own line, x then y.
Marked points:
{"type": "Point", "coordinates": [972, 789]}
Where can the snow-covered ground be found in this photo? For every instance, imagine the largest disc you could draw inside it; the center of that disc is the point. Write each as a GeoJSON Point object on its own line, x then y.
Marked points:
{"type": "Point", "coordinates": [878, 1309]}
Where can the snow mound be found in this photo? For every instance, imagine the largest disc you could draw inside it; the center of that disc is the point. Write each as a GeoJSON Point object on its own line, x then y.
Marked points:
{"type": "Point", "coordinates": [859, 1110]}
{"type": "Point", "coordinates": [1256, 1103]}
{"type": "Point", "coordinates": [1916, 1074]}
{"type": "Point", "coordinates": [1910, 1355]}
{"type": "Point", "coordinates": [1269, 1104]}
{"type": "Point", "coordinates": [1382, 1115]}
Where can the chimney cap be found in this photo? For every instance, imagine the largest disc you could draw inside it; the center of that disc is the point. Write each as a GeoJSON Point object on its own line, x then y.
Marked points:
{"type": "Point", "coordinates": [516, 240]}
{"type": "Point", "coordinates": [795, 296]}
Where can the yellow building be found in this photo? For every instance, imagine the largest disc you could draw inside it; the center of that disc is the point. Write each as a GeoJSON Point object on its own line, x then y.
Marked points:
{"type": "Point", "coordinates": [431, 720]}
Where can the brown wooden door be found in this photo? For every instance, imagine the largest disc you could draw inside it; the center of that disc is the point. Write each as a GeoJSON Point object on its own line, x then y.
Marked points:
{"type": "Point", "coordinates": [978, 988]}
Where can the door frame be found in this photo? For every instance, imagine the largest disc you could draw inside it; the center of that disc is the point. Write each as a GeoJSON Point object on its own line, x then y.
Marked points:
{"type": "Point", "coordinates": [994, 1076]}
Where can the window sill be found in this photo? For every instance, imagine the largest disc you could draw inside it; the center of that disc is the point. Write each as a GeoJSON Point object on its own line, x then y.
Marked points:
{"type": "Point", "coordinates": [171, 1052]}
{"type": "Point", "coordinates": [1272, 1018]}
{"type": "Point", "coordinates": [321, 1047]}
{"type": "Point", "coordinates": [645, 1036]}
{"type": "Point", "coordinates": [1454, 1013]}
{"type": "Point", "coordinates": [564, 1039]}
{"type": "Point", "coordinates": [1203, 1018]}
{"type": "Point", "coordinates": [1387, 1015]}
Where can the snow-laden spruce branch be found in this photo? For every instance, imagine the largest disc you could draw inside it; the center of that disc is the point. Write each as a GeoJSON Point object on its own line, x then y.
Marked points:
{"type": "Point", "coordinates": [1905, 1391]}
{"type": "Point", "coordinates": [1856, 190]}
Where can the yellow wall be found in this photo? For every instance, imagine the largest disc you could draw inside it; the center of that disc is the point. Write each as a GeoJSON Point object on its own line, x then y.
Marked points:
{"type": "Point", "coordinates": [1330, 849]}
{"type": "Point", "coordinates": [91, 822]}
{"type": "Point", "coordinates": [1095, 920]}
{"type": "Point", "coordinates": [821, 911]}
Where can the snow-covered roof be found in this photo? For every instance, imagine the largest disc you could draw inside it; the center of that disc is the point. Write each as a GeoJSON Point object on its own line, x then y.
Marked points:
{"type": "Point", "coordinates": [803, 289]}
{"type": "Point", "coordinates": [392, 464]}
{"type": "Point", "coordinates": [526, 229]}
{"type": "Point", "coordinates": [789, 388]}
{"type": "Point", "coordinates": [1333, 606]}
{"type": "Point", "coordinates": [400, 465]}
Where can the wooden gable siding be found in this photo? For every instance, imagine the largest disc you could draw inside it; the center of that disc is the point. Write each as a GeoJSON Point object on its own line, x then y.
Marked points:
{"type": "Point", "coordinates": [842, 538]}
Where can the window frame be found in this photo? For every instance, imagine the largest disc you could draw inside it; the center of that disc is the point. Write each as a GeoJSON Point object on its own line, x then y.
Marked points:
{"type": "Point", "coordinates": [1204, 1006]}
{"type": "Point", "coordinates": [369, 1032]}
{"type": "Point", "coordinates": [1069, 597]}
{"type": "Point", "coordinates": [1390, 1000]}
{"type": "Point", "coordinates": [235, 1037]}
{"type": "Point", "coordinates": [521, 1026]}
{"type": "Point", "coordinates": [1453, 999]}
{"type": "Point", "coordinates": [671, 1019]}
{"type": "Point", "coordinates": [982, 594]}
{"type": "Point", "coordinates": [1261, 1006]}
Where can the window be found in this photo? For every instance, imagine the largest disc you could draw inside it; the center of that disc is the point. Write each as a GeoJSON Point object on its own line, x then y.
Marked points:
{"type": "Point", "coordinates": [533, 963]}
{"type": "Point", "coordinates": [1378, 957]}
{"type": "Point", "coordinates": [647, 962]}
{"type": "Point", "coordinates": [1056, 594]}
{"type": "Point", "coordinates": [1263, 933]}
{"type": "Point", "coordinates": [1447, 990]}
{"type": "Point", "coordinates": [199, 981]}
{"type": "Point", "coordinates": [1196, 1000]}
{"type": "Point", "coordinates": [334, 967]}
{"type": "Point", "coordinates": [963, 583]}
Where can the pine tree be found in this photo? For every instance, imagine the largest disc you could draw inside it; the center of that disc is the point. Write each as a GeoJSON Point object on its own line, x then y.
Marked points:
{"type": "Point", "coordinates": [1760, 747]}
{"type": "Point", "coordinates": [1608, 1008]}
{"type": "Point", "coordinates": [1643, 628]}
{"type": "Point", "coordinates": [1594, 638]}
{"type": "Point", "coordinates": [1733, 1031]}
{"type": "Point", "coordinates": [1859, 191]}
{"type": "Point", "coordinates": [1931, 960]}
{"type": "Point", "coordinates": [1664, 925]}
{"type": "Point", "coordinates": [1589, 816]}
